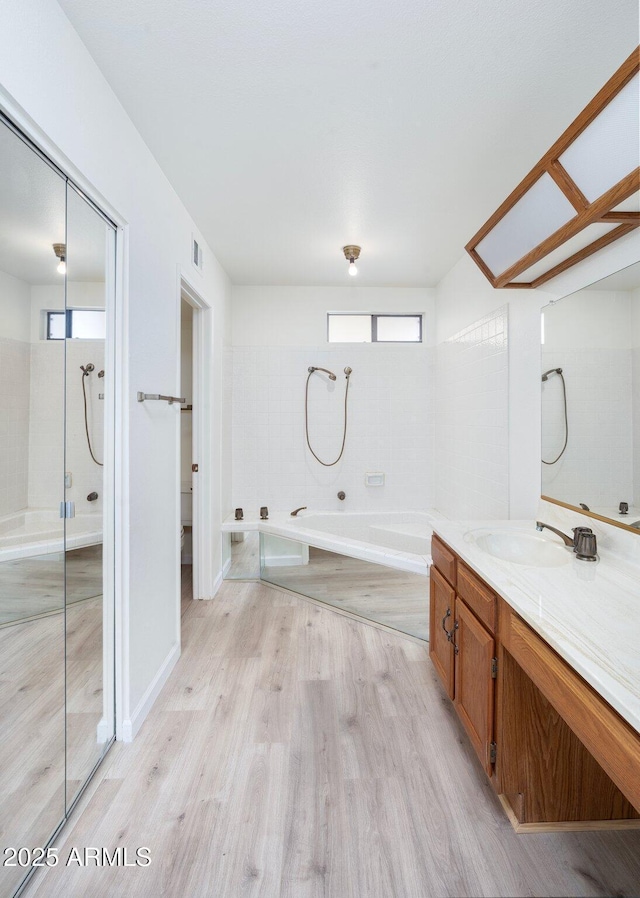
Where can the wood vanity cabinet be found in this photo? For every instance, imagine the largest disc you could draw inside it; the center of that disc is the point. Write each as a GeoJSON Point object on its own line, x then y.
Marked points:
{"type": "Point", "coordinates": [462, 646]}
{"type": "Point", "coordinates": [556, 753]}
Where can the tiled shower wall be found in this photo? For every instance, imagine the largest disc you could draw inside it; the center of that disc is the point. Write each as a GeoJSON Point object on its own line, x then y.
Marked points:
{"type": "Point", "coordinates": [390, 427]}
{"type": "Point", "coordinates": [472, 420]}
{"type": "Point", "coordinates": [46, 450]}
{"type": "Point", "coordinates": [14, 424]}
{"type": "Point", "coordinates": [597, 466]}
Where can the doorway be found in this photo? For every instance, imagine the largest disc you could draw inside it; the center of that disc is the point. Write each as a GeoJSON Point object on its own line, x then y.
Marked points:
{"type": "Point", "coordinates": [187, 313]}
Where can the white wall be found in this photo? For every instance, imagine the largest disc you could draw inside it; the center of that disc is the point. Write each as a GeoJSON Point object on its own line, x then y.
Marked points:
{"type": "Point", "coordinates": [278, 333]}
{"type": "Point", "coordinates": [14, 393]}
{"type": "Point", "coordinates": [472, 420]}
{"type": "Point", "coordinates": [51, 84]}
{"type": "Point", "coordinates": [14, 308]}
{"type": "Point", "coordinates": [465, 296]}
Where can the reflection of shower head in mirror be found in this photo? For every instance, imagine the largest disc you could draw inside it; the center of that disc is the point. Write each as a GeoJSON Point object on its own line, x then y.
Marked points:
{"type": "Point", "coordinates": [546, 374]}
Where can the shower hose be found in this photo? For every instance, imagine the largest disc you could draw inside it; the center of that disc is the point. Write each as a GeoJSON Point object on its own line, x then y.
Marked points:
{"type": "Point", "coordinates": [327, 464]}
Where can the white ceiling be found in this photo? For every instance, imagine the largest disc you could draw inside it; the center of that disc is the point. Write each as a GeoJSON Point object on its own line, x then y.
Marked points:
{"type": "Point", "coordinates": [290, 128]}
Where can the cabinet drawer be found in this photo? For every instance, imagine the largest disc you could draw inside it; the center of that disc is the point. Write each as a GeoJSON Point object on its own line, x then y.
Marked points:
{"type": "Point", "coordinates": [443, 559]}
{"type": "Point", "coordinates": [478, 596]}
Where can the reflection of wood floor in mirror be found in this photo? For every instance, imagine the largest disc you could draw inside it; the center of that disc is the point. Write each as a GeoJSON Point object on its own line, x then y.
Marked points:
{"type": "Point", "coordinates": [397, 599]}
{"type": "Point", "coordinates": [298, 753]}
{"type": "Point", "coordinates": [245, 557]}
{"type": "Point", "coordinates": [32, 586]}
{"type": "Point", "coordinates": [32, 723]}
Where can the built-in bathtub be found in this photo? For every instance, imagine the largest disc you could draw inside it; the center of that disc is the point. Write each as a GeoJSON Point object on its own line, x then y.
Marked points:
{"type": "Point", "coordinates": [320, 555]}
{"type": "Point", "coordinates": [36, 531]}
{"type": "Point", "coordinates": [397, 539]}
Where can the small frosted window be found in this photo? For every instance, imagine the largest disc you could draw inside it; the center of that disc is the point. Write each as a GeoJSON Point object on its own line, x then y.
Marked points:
{"type": "Point", "coordinates": [349, 328]}
{"type": "Point", "coordinates": [398, 328]}
{"type": "Point", "coordinates": [374, 328]}
{"type": "Point", "coordinates": [87, 325]}
{"type": "Point", "coordinates": [56, 327]}
{"type": "Point", "coordinates": [76, 324]}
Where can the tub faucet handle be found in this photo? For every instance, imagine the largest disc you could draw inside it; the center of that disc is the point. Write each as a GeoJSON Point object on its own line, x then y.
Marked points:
{"type": "Point", "coordinates": [264, 513]}
{"type": "Point", "coordinates": [341, 495]}
{"type": "Point", "coordinates": [92, 497]}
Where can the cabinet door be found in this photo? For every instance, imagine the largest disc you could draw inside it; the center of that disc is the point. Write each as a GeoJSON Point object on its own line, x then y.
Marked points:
{"type": "Point", "coordinates": [441, 614]}
{"type": "Point", "coordinates": [475, 687]}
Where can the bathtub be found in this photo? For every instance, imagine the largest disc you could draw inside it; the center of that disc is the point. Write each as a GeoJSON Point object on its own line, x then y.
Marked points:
{"type": "Point", "coordinates": [36, 531]}
{"type": "Point", "coordinates": [400, 540]}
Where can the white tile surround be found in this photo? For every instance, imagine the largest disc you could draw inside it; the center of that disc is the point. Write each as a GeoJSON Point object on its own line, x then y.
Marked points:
{"type": "Point", "coordinates": [46, 435]}
{"type": "Point", "coordinates": [14, 424]}
{"type": "Point", "coordinates": [472, 420]}
{"type": "Point", "coordinates": [600, 448]}
{"type": "Point", "coordinates": [390, 427]}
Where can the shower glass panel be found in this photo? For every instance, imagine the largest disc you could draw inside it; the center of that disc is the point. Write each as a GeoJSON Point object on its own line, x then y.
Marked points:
{"type": "Point", "coordinates": [397, 599]}
{"type": "Point", "coordinates": [32, 561]}
{"type": "Point", "coordinates": [89, 608]}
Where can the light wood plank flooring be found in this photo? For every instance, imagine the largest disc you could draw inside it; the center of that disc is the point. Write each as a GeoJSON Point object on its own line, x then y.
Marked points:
{"type": "Point", "coordinates": [296, 752]}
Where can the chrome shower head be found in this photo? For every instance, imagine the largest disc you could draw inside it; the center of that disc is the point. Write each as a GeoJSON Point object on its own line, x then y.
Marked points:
{"type": "Point", "coordinates": [348, 371]}
{"type": "Point", "coordinates": [546, 374]}
{"type": "Point", "coordinates": [312, 368]}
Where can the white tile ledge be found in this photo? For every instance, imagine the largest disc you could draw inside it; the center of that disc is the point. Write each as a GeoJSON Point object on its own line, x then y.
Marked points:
{"type": "Point", "coordinates": [589, 613]}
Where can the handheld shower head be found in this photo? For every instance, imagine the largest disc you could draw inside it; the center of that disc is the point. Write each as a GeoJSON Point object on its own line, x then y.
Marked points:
{"type": "Point", "coordinates": [88, 368]}
{"type": "Point", "coordinates": [348, 371]}
{"type": "Point", "coordinates": [546, 374]}
{"type": "Point", "coordinates": [326, 371]}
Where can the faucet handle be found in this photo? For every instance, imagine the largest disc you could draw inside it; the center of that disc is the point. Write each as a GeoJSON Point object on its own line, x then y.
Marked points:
{"type": "Point", "coordinates": [587, 546]}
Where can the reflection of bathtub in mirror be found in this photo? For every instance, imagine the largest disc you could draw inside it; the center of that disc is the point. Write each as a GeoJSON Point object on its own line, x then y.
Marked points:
{"type": "Point", "coordinates": [40, 532]}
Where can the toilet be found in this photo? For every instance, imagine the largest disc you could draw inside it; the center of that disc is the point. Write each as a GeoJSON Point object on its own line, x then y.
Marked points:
{"type": "Point", "coordinates": [186, 519]}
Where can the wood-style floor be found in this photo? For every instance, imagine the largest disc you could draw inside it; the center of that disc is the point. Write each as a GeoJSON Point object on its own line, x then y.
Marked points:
{"type": "Point", "coordinates": [297, 753]}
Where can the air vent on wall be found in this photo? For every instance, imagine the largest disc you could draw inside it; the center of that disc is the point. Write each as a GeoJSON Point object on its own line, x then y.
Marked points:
{"type": "Point", "coordinates": [197, 256]}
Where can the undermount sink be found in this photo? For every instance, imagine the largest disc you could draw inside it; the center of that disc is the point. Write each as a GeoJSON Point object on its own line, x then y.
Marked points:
{"type": "Point", "coordinates": [520, 547]}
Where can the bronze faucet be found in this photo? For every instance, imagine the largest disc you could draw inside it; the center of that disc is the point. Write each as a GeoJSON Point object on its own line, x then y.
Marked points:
{"type": "Point", "coordinates": [294, 514]}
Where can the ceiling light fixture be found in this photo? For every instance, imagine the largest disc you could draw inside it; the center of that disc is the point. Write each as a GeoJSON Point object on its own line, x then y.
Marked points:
{"type": "Point", "coordinates": [576, 200]}
{"type": "Point", "coordinates": [60, 249]}
{"type": "Point", "coordinates": [351, 253]}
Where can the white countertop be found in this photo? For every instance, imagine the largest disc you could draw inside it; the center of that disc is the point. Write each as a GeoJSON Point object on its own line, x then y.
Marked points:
{"type": "Point", "coordinates": [588, 612]}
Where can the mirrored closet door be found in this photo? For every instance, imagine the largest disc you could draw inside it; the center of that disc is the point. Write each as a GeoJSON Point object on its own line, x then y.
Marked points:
{"type": "Point", "coordinates": [57, 262]}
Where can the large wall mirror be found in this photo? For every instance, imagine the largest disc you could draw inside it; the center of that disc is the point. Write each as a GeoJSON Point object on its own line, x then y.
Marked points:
{"type": "Point", "coordinates": [591, 399]}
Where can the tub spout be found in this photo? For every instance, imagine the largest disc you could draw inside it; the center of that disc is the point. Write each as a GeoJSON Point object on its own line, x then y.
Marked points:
{"type": "Point", "coordinates": [294, 513]}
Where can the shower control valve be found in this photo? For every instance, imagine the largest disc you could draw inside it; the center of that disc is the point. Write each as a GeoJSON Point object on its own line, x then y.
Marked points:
{"type": "Point", "coordinates": [92, 497]}
{"type": "Point", "coordinates": [342, 495]}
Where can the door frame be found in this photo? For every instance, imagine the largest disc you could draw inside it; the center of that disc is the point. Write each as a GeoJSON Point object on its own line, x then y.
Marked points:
{"type": "Point", "coordinates": [201, 448]}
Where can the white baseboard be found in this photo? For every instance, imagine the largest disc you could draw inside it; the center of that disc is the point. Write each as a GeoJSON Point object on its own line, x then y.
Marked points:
{"type": "Point", "coordinates": [225, 569]}
{"type": "Point", "coordinates": [104, 731]}
{"type": "Point", "coordinates": [217, 583]}
{"type": "Point", "coordinates": [131, 726]}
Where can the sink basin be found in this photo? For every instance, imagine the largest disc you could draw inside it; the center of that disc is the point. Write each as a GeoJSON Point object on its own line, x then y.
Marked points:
{"type": "Point", "coordinates": [520, 547]}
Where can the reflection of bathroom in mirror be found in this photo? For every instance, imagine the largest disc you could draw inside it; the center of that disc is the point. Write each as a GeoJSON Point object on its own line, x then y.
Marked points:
{"type": "Point", "coordinates": [591, 398]}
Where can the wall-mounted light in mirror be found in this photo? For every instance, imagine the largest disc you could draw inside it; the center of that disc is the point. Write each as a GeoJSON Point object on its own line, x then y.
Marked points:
{"type": "Point", "coordinates": [590, 381]}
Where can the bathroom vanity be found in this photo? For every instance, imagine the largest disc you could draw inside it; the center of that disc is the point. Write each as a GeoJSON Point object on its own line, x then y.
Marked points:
{"type": "Point", "coordinates": [550, 704]}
